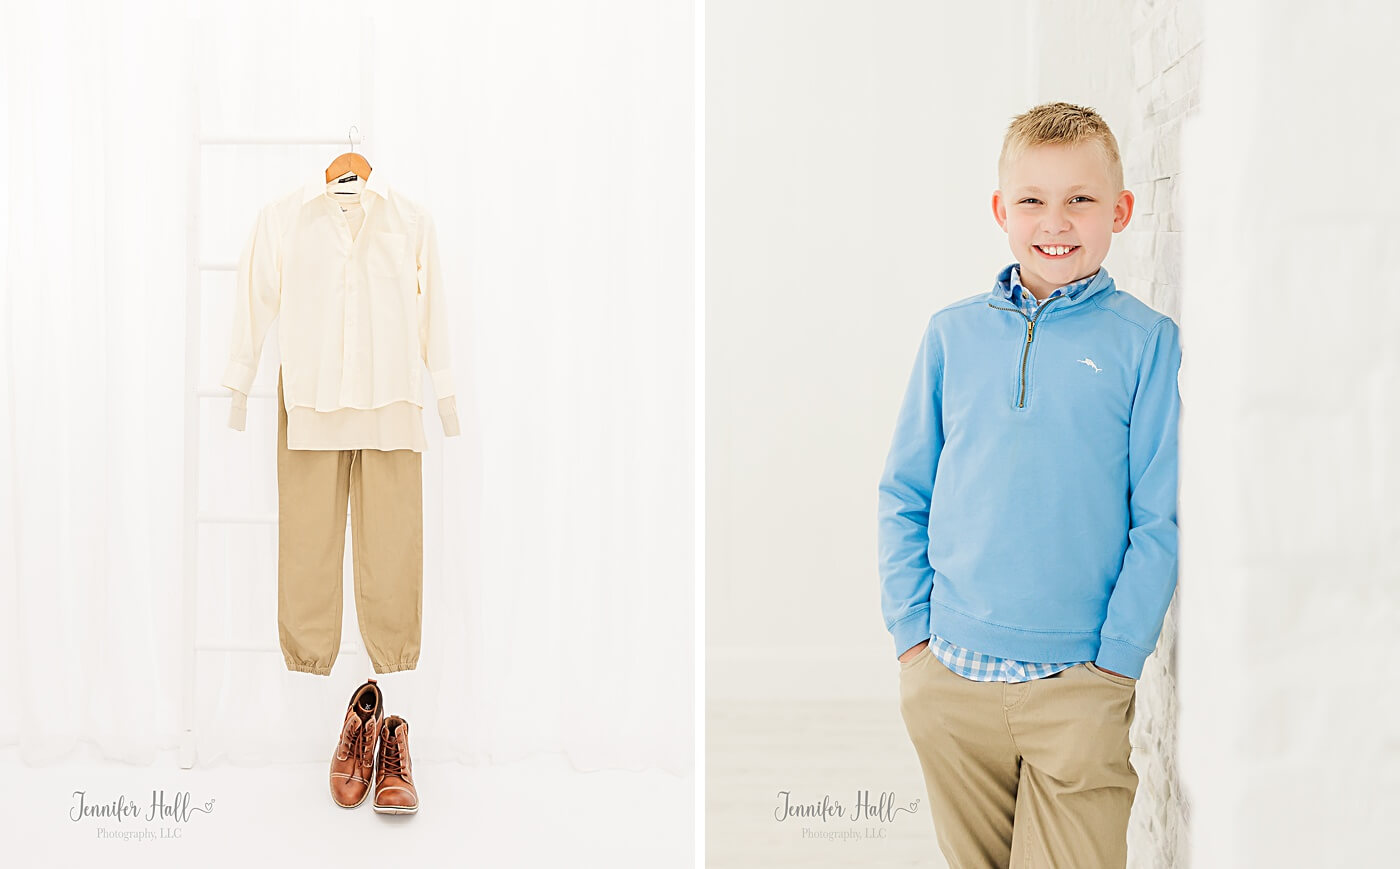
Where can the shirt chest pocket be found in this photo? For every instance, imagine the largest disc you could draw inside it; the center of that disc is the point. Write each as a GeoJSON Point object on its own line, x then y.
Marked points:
{"type": "Point", "coordinates": [386, 255]}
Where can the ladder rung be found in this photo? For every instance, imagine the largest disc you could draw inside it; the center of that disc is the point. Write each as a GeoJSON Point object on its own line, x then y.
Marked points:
{"type": "Point", "coordinates": [237, 518]}
{"type": "Point", "coordinates": [230, 139]}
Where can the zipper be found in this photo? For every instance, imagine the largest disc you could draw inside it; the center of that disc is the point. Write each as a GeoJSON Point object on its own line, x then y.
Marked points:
{"type": "Point", "coordinates": [1030, 336]}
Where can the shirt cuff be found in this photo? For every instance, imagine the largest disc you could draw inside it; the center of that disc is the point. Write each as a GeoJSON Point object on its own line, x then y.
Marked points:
{"type": "Point", "coordinates": [447, 410]}
{"type": "Point", "coordinates": [442, 383]}
{"type": "Point", "coordinates": [238, 411]}
{"type": "Point", "coordinates": [238, 377]}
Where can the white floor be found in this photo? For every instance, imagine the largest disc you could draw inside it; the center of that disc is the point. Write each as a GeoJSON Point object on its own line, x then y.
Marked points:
{"type": "Point", "coordinates": [814, 750]}
{"type": "Point", "coordinates": [533, 813]}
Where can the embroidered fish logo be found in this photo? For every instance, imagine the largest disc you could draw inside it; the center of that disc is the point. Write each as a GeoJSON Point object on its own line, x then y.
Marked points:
{"type": "Point", "coordinates": [1089, 362]}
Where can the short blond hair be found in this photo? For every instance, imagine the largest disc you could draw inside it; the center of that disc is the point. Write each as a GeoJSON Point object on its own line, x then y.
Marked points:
{"type": "Point", "coordinates": [1059, 124]}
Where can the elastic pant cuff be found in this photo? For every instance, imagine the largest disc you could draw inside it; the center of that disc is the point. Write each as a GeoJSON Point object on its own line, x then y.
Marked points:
{"type": "Point", "coordinates": [309, 668]}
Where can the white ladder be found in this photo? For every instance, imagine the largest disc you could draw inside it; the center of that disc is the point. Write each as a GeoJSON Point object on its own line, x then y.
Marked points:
{"type": "Point", "coordinates": [196, 395]}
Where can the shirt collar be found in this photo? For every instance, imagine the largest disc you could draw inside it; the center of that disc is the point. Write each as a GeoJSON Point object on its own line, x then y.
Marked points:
{"type": "Point", "coordinates": [1013, 288]}
{"type": "Point", "coordinates": [317, 185]}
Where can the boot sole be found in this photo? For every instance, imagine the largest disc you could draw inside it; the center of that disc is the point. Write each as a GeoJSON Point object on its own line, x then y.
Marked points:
{"type": "Point", "coordinates": [396, 810]}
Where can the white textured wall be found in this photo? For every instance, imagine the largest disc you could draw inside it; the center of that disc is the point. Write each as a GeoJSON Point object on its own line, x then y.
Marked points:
{"type": "Point", "coordinates": [1290, 583]}
{"type": "Point", "coordinates": [1144, 86]}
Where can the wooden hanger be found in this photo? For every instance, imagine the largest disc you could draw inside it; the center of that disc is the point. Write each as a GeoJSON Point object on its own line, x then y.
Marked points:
{"type": "Point", "coordinates": [348, 162]}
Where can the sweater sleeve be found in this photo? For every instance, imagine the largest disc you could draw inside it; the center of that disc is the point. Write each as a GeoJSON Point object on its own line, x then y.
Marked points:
{"type": "Point", "coordinates": [905, 494]}
{"type": "Point", "coordinates": [1147, 579]}
{"type": "Point", "coordinates": [433, 341]}
{"type": "Point", "coordinates": [256, 302]}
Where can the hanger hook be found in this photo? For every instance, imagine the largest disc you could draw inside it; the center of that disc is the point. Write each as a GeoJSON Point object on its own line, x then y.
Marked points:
{"type": "Point", "coordinates": [351, 137]}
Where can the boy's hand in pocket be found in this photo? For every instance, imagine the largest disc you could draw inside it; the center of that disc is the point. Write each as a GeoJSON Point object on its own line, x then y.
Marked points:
{"type": "Point", "coordinates": [912, 651]}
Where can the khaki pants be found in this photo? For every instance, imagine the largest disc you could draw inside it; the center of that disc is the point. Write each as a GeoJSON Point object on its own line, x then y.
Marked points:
{"type": "Point", "coordinates": [384, 489]}
{"type": "Point", "coordinates": [1047, 759]}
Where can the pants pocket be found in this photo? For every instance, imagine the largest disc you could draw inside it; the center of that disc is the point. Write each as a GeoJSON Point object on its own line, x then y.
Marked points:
{"type": "Point", "coordinates": [909, 664]}
{"type": "Point", "coordinates": [1122, 681]}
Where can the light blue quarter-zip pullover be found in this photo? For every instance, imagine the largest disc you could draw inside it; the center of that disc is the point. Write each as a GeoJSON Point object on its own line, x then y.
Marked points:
{"type": "Point", "coordinates": [970, 663]}
{"type": "Point", "coordinates": [1067, 415]}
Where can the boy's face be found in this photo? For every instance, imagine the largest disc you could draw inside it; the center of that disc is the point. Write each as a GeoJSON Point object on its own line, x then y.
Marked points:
{"type": "Point", "coordinates": [1060, 195]}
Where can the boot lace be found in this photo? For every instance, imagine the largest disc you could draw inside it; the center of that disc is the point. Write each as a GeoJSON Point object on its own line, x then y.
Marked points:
{"type": "Point", "coordinates": [390, 759]}
{"type": "Point", "coordinates": [357, 739]}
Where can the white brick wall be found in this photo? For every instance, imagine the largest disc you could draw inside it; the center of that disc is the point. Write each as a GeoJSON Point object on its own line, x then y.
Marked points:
{"type": "Point", "coordinates": [1168, 45]}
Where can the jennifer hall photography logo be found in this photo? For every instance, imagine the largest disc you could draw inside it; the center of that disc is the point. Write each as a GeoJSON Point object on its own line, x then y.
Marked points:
{"type": "Point", "coordinates": [111, 818]}
{"type": "Point", "coordinates": [865, 819]}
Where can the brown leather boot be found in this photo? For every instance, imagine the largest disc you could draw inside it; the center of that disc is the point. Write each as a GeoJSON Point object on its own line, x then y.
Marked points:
{"type": "Point", "coordinates": [352, 765]}
{"type": "Point", "coordinates": [394, 791]}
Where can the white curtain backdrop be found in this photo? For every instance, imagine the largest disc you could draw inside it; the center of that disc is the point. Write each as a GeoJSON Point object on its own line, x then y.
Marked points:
{"type": "Point", "coordinates": [552, 142]}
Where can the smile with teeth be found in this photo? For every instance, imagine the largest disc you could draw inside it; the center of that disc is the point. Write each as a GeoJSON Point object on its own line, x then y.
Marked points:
{"type": "Point", "coordinates": [1055, 251]}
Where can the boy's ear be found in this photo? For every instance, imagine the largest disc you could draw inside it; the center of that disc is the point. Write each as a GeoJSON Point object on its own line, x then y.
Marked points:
{"type": "Point", "coordinates": [998, 210]}
{"type": "Point", "coordinates": [1123, 210]}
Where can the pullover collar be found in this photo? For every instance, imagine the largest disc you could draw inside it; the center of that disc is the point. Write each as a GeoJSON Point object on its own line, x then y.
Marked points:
{"type": "Point", "coordinates": [1078, 292]}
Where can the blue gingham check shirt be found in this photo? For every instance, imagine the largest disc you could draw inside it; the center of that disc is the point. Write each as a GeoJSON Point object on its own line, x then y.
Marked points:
{"type": "Point", "coordinates": [975, 665]}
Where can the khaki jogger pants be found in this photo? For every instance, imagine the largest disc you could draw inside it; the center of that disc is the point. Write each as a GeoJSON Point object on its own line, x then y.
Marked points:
{"type": "Point", "coordinates": [384, 489]}
{"type": "Point", "coordinates": [1047, 760]}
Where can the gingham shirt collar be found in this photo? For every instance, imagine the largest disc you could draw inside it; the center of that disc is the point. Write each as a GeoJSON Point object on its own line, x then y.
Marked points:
{"type": "Point", "coordinates": [1023, 298]}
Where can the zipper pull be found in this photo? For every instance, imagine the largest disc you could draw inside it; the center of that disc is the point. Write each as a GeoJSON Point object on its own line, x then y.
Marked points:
{"type": "Point", "coordinates": [1030, 331]}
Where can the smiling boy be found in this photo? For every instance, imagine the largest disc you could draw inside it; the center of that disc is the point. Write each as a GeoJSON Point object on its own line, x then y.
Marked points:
{"type": "Point", "coordinates": [1027, 519]}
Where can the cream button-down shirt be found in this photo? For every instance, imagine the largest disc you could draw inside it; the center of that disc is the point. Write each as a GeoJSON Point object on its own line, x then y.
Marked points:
{"type": "Point", "coordinates": [352, 270]}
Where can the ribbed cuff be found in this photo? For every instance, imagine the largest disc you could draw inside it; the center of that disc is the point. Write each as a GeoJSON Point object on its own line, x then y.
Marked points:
{"type": "Point", "coordinates": [1120, 657]}
{"type": "Point", "coordinates": [911, 630]}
